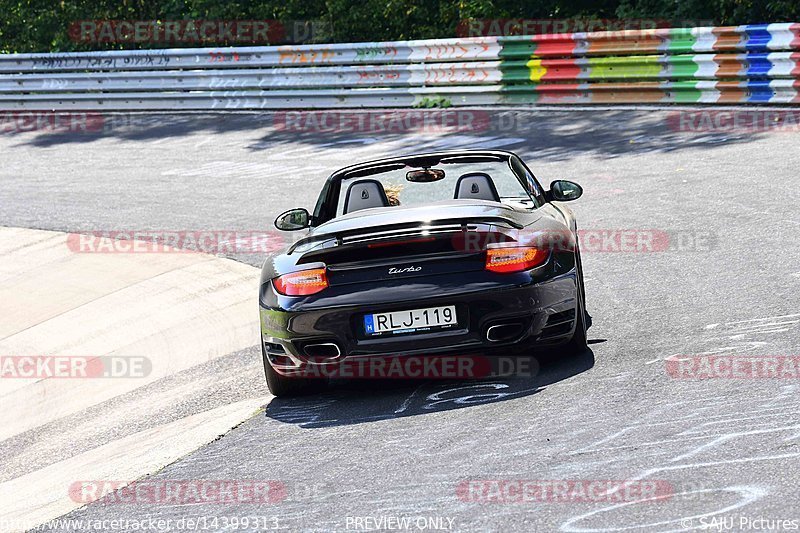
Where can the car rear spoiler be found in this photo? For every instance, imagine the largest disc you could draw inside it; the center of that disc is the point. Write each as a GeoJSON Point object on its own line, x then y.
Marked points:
{"type": "Point", "coordinates": [400, 231]}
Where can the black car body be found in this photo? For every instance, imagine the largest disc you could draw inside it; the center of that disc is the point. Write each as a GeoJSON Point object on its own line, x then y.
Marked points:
{"type": "Point", "coordinates": [499, 270]}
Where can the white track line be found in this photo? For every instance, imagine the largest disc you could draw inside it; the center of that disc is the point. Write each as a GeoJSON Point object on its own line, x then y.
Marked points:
{"type": "Point", "coordinates": [177, 310]}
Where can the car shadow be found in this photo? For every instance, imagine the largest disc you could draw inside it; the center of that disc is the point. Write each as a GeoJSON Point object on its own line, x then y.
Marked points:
{"type": "Point", "coordinates": [348, 402]}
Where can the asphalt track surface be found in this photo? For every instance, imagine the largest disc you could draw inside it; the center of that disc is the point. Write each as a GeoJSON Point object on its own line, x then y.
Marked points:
{"type": "Point", "coordinates": [729, 283]}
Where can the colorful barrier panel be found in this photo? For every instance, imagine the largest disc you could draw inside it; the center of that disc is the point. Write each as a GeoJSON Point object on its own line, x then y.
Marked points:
{"type": "Point", "coordinates": [750, 64]}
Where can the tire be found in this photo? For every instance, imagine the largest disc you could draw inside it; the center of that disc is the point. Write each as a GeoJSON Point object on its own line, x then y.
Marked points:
{"type": "Point", "coordinates": [282, 386]}
{"type": "Point", "coordinates": [578, 343]}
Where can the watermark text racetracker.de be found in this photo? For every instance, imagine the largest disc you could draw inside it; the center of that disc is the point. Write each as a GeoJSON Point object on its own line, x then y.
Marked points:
{"type": "Point", "coordinates": [12, 122]}
{"type": "Point", "coordinates": [73, 366]}
{"type": "Point", "coordinates": [739, 121]}
{"type": "Point", "coordinates": [89, 123]}
{"type": "Point", "coordinates": [702, 367]}
{"type": "Point", "coordinates": [520, 26]}
{"type": "Point", "coordinates": [261, 31]}
{"type": "Point", "coordinates": [596, 240]}
{"type": "Point", "coordinates": [179, 241]}
{"type": "Point", "coordinates": [180, 491]}
{"type": "Point", "coordinates": [600, 240]}
{"type": "Point", "coordinates": [644, 240]}
{"type": "Point", "coordinates": [396, 121]}
{"type": "Point", "coordinates": [525, 491]}
{"type": "Point", "coordinates": [444, 367]}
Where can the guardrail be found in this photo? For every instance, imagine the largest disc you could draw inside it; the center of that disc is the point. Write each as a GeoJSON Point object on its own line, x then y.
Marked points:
{"type": "Point", "coordinates": [755, 64]}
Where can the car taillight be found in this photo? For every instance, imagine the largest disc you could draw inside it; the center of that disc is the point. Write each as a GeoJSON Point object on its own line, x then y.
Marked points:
{"type": "Point", "coordinates": [516, 259]}
{"type": "Point", "coordinates": [302, 283]}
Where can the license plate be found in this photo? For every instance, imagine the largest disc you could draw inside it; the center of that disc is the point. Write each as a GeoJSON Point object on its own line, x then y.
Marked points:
{"type": "Point", "coordinates": [412, 321]}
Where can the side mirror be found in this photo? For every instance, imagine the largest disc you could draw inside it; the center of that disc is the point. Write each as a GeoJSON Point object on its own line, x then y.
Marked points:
{"type": "Point", "coordinates": [293, 220]}
{"type": "Point", "coordinates": [564, 191]}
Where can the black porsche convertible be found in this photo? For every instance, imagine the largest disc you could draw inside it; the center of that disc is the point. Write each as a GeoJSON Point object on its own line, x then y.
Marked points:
{"type": "Point", "coordinates": [431, 254]}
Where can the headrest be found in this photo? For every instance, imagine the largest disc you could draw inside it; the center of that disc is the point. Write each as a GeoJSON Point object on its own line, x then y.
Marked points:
{"type": "Point", "coordinates": [476, 186]}
{"type": "Point", "coordinates": [364, 194]}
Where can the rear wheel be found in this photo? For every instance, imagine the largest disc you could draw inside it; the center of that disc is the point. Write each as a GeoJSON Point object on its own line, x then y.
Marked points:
{"type": "Point", "coordinates": [578, 343]}
{"type": "Point", "coordinates": [284, 386]}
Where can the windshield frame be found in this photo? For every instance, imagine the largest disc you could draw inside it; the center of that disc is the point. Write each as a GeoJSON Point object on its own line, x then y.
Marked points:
{"type": "Point", "coordinates": [328, 201]}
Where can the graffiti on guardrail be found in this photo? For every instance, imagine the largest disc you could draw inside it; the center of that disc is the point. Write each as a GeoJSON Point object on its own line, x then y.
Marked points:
{"type": "Point", "coordinates": [374, 52]}
{"type": "Point", "coordinates": [55, 61]}
{"type": "Point", "coordinates": [302, 56]}
{"type": "Point", "coordinates": [378, 76]}
{"type": "Point", "coordinates": [457, 74]}
{"type": "Point", "coordinates": [753, 64]}
{"type": "Point", "coordinates": [455, 51]}
{"type": "Point", "coordinates": [222, 57]}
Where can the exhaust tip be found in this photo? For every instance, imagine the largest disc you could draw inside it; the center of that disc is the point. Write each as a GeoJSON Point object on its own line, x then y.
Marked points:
{"type": "Point", "coordinates": [278, 357]}
{"type": "Point", "coordinates": [504, 332]}
{"type": "Point", "coordinates": [322, 352]}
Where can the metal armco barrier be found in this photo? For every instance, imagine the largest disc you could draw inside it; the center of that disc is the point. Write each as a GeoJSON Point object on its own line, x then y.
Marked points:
{"type": "Point", "coordinates": [751, 64]}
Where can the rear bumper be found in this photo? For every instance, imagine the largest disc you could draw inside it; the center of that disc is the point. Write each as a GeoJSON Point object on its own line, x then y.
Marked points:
{"type": "Point", "coordinates": [544, 312]}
